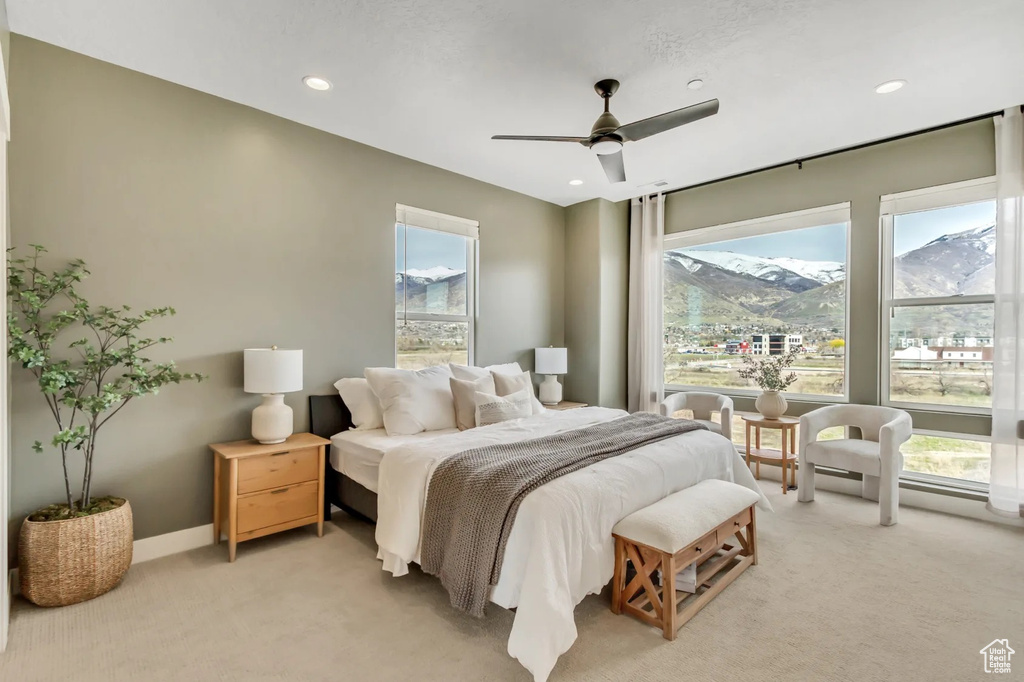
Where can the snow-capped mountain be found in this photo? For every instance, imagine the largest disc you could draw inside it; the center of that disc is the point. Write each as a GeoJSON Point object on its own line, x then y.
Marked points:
{"type": "Point", "coordinates": [721, 287]}
{"type": "Point", "coordinates": [771, 269]}
{"type": "Point", "coordinates": [433, 274]}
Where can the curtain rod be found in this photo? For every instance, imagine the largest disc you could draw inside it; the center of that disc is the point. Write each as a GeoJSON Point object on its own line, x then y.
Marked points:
{"type": "Point", "coordinates": [799, 162]}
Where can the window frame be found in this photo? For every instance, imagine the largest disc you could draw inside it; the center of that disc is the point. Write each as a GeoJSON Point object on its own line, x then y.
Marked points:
{"type": "Point", "coordinates": [819, 216]}
{"type": "Point", "coordinates": [914, 201]}
{"type": "Point", "coordinates": [420, 219]}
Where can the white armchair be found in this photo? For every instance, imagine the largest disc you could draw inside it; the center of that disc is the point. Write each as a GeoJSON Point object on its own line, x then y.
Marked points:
{"type": "Point", "coordinates": [875, 455]}
{"type": "Point", "coordinates": [702, 405]}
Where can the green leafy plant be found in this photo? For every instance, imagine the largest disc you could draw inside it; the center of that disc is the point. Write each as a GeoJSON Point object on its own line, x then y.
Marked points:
{"type": "Point", "coordinates": [767, 373]}
{"type": "Point", "coordinates": [92, 378]}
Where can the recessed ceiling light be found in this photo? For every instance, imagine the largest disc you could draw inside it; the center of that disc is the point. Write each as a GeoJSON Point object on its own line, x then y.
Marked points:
{"type": "Point", "coordinates": [575, 182]}
{"type": "Point", "coordinates": [890, 86]}
{"type": "Point", "coordinates": [317, 83]}
{"type": "Point", "coordinates": [695, 84]}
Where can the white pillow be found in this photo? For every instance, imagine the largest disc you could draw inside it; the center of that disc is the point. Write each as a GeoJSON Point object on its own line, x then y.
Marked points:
{"type": "Point", "coordinates": [467, 373]}
{"type": "Point", "coordinates": [506, 384]}
{"type": "Point", "coordinates": [491, 409]}
{"type": "Point", "coordinates": [464, 393]}
{"type": "Point", "coordinates": [413, 401]}
{"type": "Point", "coordinates": [361, 401]}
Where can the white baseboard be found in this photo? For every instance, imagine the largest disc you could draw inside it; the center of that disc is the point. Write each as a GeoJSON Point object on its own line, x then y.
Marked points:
{"type": "Point", "coordinates": [158, 546]}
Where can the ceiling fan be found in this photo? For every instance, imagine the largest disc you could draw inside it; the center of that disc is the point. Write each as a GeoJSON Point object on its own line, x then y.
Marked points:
{"type": "Point", "coordinates": [607, 136]}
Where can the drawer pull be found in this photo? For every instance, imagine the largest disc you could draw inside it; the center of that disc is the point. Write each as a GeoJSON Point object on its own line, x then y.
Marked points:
{"type": "Point", "coordinates": [278, 454]}
{"type": "Point", "coordinates": [279, 490]}
{"type": "Point", "coordinates": [699, 550]}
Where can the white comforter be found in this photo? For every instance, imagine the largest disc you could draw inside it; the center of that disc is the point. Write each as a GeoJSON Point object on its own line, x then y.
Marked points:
{"type": "Point", "coordinates": [560, 548]}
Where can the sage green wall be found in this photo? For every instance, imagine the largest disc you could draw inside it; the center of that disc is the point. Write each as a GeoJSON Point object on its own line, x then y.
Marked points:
{"type": "Point", "coordinates": [860, 177]}
{"type": "Point", "coordinates": [259, 231]}
{"type": "Point", "coordinates": [596, 293]}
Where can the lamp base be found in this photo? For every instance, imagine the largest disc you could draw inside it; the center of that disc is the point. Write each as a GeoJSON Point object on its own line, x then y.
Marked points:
{"type": "Point", "coordinates": [550, 390]}
{"type": "Point", "coordinates": [272, 421]}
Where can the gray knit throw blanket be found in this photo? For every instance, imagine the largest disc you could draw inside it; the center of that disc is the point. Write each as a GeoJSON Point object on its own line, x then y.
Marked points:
{"type": "Point", "coordinates": [473, 496]}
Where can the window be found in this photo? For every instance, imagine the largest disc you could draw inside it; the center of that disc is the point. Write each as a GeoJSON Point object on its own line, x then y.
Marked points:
{"type": "Point", "coordinates": [938, 297]}
{"type": "Point", "coordinates": [759, 287]}
{"type": "Point", "coordinates": [939, 457]}
{"type": "Point", "coordinates": [435, 288]}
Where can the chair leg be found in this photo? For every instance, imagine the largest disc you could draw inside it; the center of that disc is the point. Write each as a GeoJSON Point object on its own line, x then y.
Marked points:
{"type": "Point", "coordinates": [869, 488]}
{"type": "Point", "coordinates": [889, 500]}
{"type": "Point", "coordinates": [805, 488]}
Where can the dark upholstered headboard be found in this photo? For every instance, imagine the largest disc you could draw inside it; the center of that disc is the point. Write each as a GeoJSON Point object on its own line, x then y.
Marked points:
{"type": "Point", "coordinates": [328, 415]}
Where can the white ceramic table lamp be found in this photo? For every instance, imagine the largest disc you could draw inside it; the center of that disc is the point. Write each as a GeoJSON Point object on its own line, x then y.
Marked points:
{"type": "Point", "coordinates": [550, 362]}
{"type": "Point", "coordinates": [272, 371]}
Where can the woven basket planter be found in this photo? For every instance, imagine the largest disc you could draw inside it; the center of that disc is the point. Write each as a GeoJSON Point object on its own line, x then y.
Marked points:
{"type": "Point", "coordinates": [66, 562]}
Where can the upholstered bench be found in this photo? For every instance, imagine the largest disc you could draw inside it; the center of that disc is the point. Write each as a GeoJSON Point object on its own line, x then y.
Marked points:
{"type": "Point", "coordinates": [692, 525]}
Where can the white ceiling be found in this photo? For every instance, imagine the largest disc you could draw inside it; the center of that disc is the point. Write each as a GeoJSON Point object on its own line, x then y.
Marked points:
{"type": "Point", "coordinates": [432, 80]}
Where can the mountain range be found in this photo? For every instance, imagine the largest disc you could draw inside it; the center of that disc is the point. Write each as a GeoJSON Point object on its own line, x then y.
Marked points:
{"type": "Point", "coordinates": [736, 290]}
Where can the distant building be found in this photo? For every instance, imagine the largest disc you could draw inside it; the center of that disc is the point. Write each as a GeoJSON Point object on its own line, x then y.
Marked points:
{"type": "Point", "coordinates": [737, 347]}
{"type": "Point", "coordinates": [916, 353]}
{"type": "Point", "coordinates": [775, 344]}
{"type": "Point", "coordinates": [962, 354]}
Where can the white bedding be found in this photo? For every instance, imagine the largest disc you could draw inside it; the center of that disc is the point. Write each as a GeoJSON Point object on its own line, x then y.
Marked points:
{"type": "Point", "coordinates": [560, 548]}
{"type": "Point", "coordinates": [358, 454]}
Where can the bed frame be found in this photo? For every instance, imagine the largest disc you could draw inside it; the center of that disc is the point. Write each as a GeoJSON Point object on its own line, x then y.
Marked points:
{"type": "Point", "coordinates": [328, 416]}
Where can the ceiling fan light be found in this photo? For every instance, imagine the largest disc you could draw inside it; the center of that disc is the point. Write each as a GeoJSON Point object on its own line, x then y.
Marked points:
{"type": "Point", "coordinates": [604, 147]}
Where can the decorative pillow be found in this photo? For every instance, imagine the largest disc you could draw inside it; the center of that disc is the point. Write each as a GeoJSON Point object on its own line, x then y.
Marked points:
{"type": "Point", "coordinates": [468, 373]}
{"type": "Point", "coordinates": [506, 384]}
{"type": "Point", "coordinates": [413, 401]}
{"type": "Point", "coordinates": [361, 401]}
{"type": "Point", "coordinates": [491, 409]}
{"type": "Point", "coordinates": [464, 393]}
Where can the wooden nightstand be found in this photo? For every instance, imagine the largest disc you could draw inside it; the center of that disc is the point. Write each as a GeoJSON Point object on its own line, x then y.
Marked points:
{"type": "Point", "coordinates": [263, 489]}
{"type": "Point", "coordinates": [565, 405]}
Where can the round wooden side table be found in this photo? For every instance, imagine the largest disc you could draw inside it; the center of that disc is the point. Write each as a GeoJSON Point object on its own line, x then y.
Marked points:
{"type": "Point", "coordinates": [786, 457]}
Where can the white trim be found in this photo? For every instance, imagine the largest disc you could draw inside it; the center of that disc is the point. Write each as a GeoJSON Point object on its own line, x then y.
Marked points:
{"type": "Point", "coordinates": [159, 546]}
{"type": "Point", "coordinates": [438, 222]}
{"type": "Point", "coordinates": [940, 196]}
{"type": "Point", "coordinates": [783, 222]}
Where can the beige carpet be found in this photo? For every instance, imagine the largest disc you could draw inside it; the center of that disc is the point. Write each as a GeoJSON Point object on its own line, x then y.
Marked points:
{"type": "Point", "coordinates": [835, 597]}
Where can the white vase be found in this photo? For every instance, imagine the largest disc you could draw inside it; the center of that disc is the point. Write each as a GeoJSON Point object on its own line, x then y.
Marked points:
{"type": "Point", "coordinates": [771, 404]}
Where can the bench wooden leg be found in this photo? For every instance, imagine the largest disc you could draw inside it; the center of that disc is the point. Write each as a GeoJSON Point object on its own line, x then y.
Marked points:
{"type": "Point", "coordinates": [668, 596]}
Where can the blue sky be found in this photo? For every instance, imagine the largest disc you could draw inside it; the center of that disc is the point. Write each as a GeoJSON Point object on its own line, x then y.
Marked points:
{"type": "Point", "coordinates": [428, 249]}
{"type": "Point", "coordinates": [828, 242]}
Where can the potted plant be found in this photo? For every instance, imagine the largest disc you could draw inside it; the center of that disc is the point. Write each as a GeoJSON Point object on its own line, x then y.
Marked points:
{"type": "Point", "coordinates": [81, 547]}
{"type": "Point", "coordinates": [767, 373]}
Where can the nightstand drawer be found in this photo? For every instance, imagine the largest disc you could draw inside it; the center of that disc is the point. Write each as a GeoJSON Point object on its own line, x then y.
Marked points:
{"type": "Point", "coordinates": [277, 506]}
{"type": "Point", "coordinates": [277, 471]}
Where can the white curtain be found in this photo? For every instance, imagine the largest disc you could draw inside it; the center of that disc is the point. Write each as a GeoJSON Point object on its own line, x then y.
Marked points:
{"type": "Point", "coordinates": [645, 374]}
{"type": "Point", "coordinates": [1006, 487]}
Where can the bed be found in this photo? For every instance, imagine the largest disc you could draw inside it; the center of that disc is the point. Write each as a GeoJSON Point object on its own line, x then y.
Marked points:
{"type": "Point", "coordinates": [560, 548]}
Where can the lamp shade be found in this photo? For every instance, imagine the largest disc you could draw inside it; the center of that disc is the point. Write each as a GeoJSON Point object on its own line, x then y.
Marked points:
{"type": "Point", "coordinates": [271, 370]}
{"type": "Point", "coordinates": [550, 361]}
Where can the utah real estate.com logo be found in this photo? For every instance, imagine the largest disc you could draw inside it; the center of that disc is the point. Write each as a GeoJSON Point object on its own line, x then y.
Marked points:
{"type": "Point", "coordinates": [997, 656]}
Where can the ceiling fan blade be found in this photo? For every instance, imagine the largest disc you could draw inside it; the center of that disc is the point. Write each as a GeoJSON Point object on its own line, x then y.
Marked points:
{"type": "Point", "coordinates": [638, 130]}
{"type": "Point", "coordinates": [613, 166]}
{"type": "Point", "coordinates": [540, 138]}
